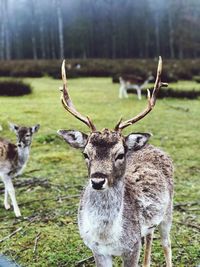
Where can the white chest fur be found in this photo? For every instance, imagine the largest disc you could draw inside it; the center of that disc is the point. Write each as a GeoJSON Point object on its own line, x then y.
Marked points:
{"type": "Point", "coordinates": [101, 225]}
{"type": "Point", "coordinates": [100, 233]}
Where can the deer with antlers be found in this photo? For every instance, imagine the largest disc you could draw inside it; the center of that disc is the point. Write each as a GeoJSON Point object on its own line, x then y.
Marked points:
{"type": "Point", "coordinates": [130, 187]}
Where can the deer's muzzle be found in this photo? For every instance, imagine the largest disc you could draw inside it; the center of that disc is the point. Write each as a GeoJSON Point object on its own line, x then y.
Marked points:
{"type": "Point", "coordinates": [98, 183]}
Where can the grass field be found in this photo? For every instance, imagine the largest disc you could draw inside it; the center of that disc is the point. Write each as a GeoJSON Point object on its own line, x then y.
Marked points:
{"type": "Point", "coordinates": [49, 204]}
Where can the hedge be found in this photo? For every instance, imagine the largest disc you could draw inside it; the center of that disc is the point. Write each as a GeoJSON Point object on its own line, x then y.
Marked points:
{"type": "Point", "coordinates": [14, 88]}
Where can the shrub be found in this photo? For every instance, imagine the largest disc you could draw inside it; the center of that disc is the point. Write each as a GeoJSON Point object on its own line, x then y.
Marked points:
{"type": "Point", "coordinates": [4, 71]}
{"type": "Point", "coordinates": [169, 76]}
{"type": "Point", "coordinates": [96, 72]}
{"type": "Point", "coordinates": [56, 74]}
{"type": "Point", "coordinates": [196, 79]}
{"type": "Point", "coordinates": [184, 74]}
{"type": "Point", "coordinates": [168, 92]}
{"type": "Point", "coordinates": [115, 78]}
{"type": "Point", "coordinates": [14, 88]}
{"type": "Point", "coordinates": [26, 68]}
{"type": "Point", "coordinates": [34, 73]}
{"type": "Point", "coordinates": [173, 70]}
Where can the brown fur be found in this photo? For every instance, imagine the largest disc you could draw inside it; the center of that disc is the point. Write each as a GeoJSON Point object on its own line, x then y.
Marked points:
{"type": "Point", "coordinates": [149, 171]}
{"type": "Point", "coordinates": [8, 151]}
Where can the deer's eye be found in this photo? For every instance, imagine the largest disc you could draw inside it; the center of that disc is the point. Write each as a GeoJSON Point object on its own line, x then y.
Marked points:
{"type": "Point", "coordinates": [85, 155]}
{"type": "Point", "coordinates": [119, 156]}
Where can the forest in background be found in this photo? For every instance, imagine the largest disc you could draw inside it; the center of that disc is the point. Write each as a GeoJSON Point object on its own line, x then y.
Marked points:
{"type": "Point", "coordinates": [56, 29]}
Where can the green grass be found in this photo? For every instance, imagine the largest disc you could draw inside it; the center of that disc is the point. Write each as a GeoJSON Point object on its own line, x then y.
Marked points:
{"type": "Point", "coordinates": [43, 209]}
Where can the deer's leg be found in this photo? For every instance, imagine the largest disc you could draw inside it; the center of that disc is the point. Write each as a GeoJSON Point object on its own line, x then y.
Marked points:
{"type": "Point", "coordinates": [6, 203]}
{"type": "Point", "coordinates": [164, 229]}
{"type": "Point", "coordinates": [147, 250]}
{"type": "Point", "coordinates": [122, 90]}
{"type": "Point", "coordinates": [132, 259]}
{"type": "Point", "coordinates": [139, 93]}
{"type": "Point", "coordinates": [125, 92]}
{"type": "Point", "coordinates": [102, 261]}
{"type": "Point", "coordinates": [9, 189]}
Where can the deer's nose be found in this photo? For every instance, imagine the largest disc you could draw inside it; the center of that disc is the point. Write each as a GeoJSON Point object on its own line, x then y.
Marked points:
{"type": "Point", "coordinates": [97, 183]}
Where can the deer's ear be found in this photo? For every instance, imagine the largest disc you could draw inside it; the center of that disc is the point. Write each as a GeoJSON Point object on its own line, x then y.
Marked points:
{"type": "Point", "coordinates": [74, 138]}
{"type": "Point", "coordinates": [136, 141]}
{"type": "Point", "coordinates": [35, 128]}
{"type": "Point", "coordinates": [13, 127]}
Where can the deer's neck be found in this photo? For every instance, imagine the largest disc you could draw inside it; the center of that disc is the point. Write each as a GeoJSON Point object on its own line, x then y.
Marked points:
{"type": "Point", "coordinates": [23, 155]}
{"type": "Point", "coordinates": [107, 204]}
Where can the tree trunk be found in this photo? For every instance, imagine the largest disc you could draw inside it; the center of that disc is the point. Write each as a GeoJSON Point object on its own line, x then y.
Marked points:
{"type": "Point", "coordinates": [113, 45]}
{"type": "Point", "coordinates": [42, 42]}
{"type": "Point", "coordinates": [157, 35]}
{"type": "Point", "coordinates": [180, 50]}
{"type": "Point", "coordinates": [171, 34]}
{"type": "Point", "coordinates": [53, 51]}
{"type": "Point", "coordinates": [2, 37]}
{"type": "Point", "coordinates": [6, 30]}
{"type": "Point", "coordinates": [60, 30]}
{"type": "Point", "coordinates": [18, 43]}
{"type": "Point", "coordinates": [33, 37]}
{"type": "Point", "coordinates": [147, 43]}
{"type": "Point", "coordinates": [53, 26]}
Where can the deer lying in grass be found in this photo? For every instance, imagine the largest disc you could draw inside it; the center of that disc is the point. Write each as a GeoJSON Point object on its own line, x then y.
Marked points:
{"type": "Point", "coordinates": [130, 188]}
{"type": "Point", "coordinates": [13, 159]}
{"type": "Point", "coordinates": [129, 82]}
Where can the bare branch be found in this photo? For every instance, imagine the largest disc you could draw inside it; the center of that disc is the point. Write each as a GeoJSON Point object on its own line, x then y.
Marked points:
{"type": "Point", "coordinates": [190, 224]}
{"type": "Point", "coordinates": [10, 235]}
{"type": "Point", "coordinates": [186, 204]}
{"type": "Point", "coordinates": [36, 243]}
{"type": "Point", "coordinates": [81, 262]}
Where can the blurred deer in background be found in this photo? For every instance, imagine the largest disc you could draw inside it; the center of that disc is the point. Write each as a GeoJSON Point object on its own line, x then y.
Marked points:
{"type": "Point", "coordinates": [13, 159]}
{"type": "Point", "coordinates": [131, 82]}
{"type": "Point", "coordinates": [130, 187]}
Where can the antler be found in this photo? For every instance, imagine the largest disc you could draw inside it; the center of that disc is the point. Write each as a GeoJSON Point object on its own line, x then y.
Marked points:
{"type": "Point", "coordinates": [151, 100]}
{"type": "Point", "coordinates": [67, 102]}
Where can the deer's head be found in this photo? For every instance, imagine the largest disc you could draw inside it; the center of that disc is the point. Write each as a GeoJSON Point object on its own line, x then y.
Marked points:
{"type": "Point", "coordinates": [105, 151]}
{"type": "Point", "coordinates": [24, 134]}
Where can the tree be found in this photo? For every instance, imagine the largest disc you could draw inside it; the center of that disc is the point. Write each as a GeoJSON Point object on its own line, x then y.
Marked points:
{"type": "Point", "coordinates": [5, 37]}
{"type": "Point", "coordinates": [101, 28]}
{"type": "Point", "coordinates": [60, 28]}
{"type": "Point", "coordinates": [2, 33]}
{"type": "Point", "coordinates": [33, 28]}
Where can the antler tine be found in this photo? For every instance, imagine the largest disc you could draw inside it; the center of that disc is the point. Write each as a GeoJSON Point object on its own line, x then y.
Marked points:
{"type": "Point", "coordinates": [158, 83]}
{"type": "Point", "coordinates": [151, 100]}
{"type": "Point", "coordinates": [67, 102]}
